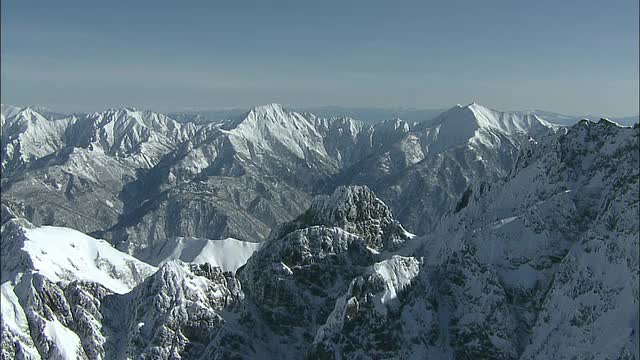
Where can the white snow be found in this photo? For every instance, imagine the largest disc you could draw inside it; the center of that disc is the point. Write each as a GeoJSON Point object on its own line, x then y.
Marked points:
{"type": "Point", "coordinates": [66, 341]}
{"type": "Point", "coordinates": [476, 124]}
{"type": "Point", "coordinates": [507, 122]}
{"type": "Point", "coordinates": [396, 273]}
{"type": "Point", "coordinates": [500, 223]}
{"type": "Point", "coordinates": [272, 127]}
{"type": "Point", "coordinates": [36, 136]}
{"type": "Point", "coordinates": [63, 254]}
{"type": "Point", "coordinates": [13, 316]}
{"type": "Point", "coordinates": [228, 254]}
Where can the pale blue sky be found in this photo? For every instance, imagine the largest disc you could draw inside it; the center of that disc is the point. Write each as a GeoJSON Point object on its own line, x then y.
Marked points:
{"type": "Point", "coordinates": [566, 56]}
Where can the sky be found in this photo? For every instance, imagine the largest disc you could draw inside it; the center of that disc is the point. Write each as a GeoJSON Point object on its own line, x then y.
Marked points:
{"type": "Point", "coordinates": [573, 57]}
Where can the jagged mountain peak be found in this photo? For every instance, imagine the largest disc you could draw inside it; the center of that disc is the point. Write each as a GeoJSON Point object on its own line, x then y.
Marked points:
{"type": "Point", "coordinates": [352, 198]}
{"type": "Point", "coordinates": [471, 105]}
{"type": "Point", "coordinates": [272, 129]}
{"type": "Point", "coordinates": [127, 130]}
{"type": "Point", "coordinates": [28, 113]}
{"type": "Point", "coordinates": [607, 121]}
{"type": "Point", "coordinates": [28, 135]}
{"type": "Point", "coordinates": [125, 113]}
{"type": "Point", "coordinates": [395, 124]}
{"type": "Point", "coordinates": [272, 113]}
{"type": "Point", "coordinates": [601, 122]}
{"type": "Point", "coordinates": [348, 204]}
{"type": "Point", "coordinates": [264, 114]}
{"type": "Point", "coordinates": [357, 210]}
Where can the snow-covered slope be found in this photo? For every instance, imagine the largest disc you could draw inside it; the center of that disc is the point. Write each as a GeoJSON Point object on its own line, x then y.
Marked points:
{"type": "Point", "coordinates": [27, 135]}
{"type": "Point", "coordinates": [140, 137]}
{"type": "Point", "coordinates": [45, 271]}
{"type": "Point", "coordinates": [64, 255]}
{"type": "Point", "coordinates": [475, 123]}
{"type": "Point", "coordinates": [228, 254]}
{"type": "Point", "coordinates": [8, 111]}
{"type": "Point", "coordinates": [272, 128]}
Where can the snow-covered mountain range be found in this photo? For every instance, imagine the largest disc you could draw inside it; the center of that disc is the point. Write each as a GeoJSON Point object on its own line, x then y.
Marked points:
{"type": "Point", "coordinates": [375, 115]}
{"type": "Point", "coordinates": [277, 234]}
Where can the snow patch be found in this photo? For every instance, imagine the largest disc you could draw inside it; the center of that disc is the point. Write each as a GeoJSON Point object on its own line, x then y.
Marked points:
{"type": "Point", "coordinates": [396, 273]}
{"type": "Point", "coordinates": [13, 316]}
{"type": "Point", "coordinates": [228, 254]}
{"type": "Point", "coordinates": [67, 343]}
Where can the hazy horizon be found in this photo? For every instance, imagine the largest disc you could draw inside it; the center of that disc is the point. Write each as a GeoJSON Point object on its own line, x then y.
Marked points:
{"type": "Point", "coordinates": [565, 57]}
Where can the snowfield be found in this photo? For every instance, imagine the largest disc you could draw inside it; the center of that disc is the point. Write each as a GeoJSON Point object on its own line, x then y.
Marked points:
{"type": "Point", "coordinates": [63, 254]}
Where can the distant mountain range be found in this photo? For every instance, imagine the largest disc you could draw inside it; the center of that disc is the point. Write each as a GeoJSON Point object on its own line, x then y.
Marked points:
{"type": "Point", "coordinates": [364, 114]}
{"type": "Point", "coordinates": [374, 115]}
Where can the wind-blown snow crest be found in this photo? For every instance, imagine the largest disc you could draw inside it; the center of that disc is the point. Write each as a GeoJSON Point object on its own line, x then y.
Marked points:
{"type": "Point", "coordinates": [228, 254]}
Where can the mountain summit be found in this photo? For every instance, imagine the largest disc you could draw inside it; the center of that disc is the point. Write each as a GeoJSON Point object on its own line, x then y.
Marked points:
{"type": "Point", "coordinates": [475, 116]}
{"type": "Point", "coordinates": [357, 210]}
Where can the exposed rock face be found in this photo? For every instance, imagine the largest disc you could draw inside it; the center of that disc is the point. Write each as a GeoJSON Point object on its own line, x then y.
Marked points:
{"type": "Point", "coordinates": [358, 211]}
{"type": "Point", "coordinates": [176, 312]}
{"type": "Point", "coordinates": [309, 266]}
{"type": "Point", "coordinates": [402, 308]}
